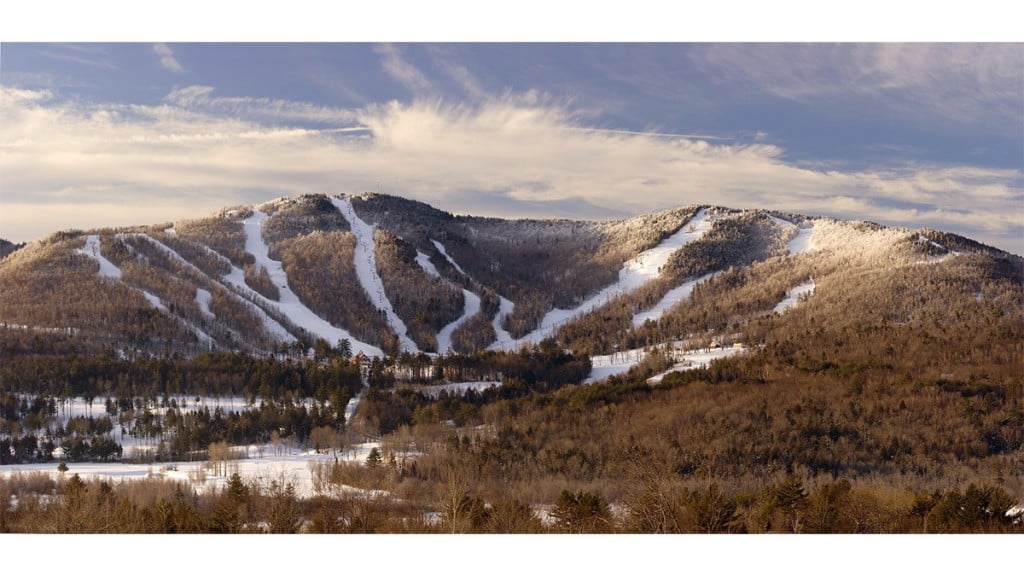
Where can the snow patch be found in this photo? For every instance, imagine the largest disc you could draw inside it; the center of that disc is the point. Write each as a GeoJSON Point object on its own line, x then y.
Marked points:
{"type": "Point", "coordinates": [608, 365]}
{"type": "Point", "coordinates": [366, 270]}
{"type": "Point", "coordinates": [794, 296]}
{"type": "Point", "coordinates": [203, 299]}
{"type": "Point", "coordinates": [424, 261]}
{"type": "Point", "coordinates": [804, 239]}
{"type": "Point", "coordinates": [458, 388]}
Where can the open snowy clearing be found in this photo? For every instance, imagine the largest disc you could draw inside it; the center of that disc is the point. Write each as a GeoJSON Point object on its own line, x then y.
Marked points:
{"type": "Point", "coordinates": [458, 388]}
{"type": "Point", "coordinates": [804, 239]}
{"type": "Point", "coordinates": [621, 362]}
{"type": "Point", "coordinates": [794, 296]}
{"type": "Point", "coordinates": [265, 463]}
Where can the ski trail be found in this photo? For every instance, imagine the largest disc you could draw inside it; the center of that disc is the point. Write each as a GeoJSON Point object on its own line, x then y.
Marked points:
{"type": "Point", "coordinates": [502, 337]}
{"type": "Point", "coordinates": [92, 249]}
{"type": "Point", "coordinates": [673, 297]}
{"type": "Point", "coordinates": [289, 304]}
{"type": "Point", "coordinates": [634, 273]}
{"type": "Point", "coordinates": [793, 296]}
{"type": "Point", "coordinates": [203, 300]}
{"type": "Point", "coordinates": [110, 270]}
{"type": "Point", "coordinates": [366, 270]}
{"type": "Point", "coordinates": [804, 239]}
{"type": "Point", "coordinates": [440, 248]}
{"type": "Point", "coordinates": [471, 304]}
{"type": "Point", "coordinates": [237, 279]}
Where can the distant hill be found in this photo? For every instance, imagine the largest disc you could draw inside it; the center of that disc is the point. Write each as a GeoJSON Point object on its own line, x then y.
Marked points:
{"type": "Point", "coordinates": [392, 275]}
{"type": "Point", "coordinates": [7, 247]}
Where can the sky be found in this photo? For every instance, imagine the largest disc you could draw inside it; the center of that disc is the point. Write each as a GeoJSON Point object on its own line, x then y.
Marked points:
{"type": "Point", "coordinates": [919, 135]}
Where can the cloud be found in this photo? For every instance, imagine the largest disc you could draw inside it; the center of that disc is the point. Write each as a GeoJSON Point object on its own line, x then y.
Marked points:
{"type": "Point", "coordinates": [963, 82]}
{"type": "Point", "coordinates": [402, 71]}
{"type": "Point", "coordinates": [520, 155]}
{"type": "Point", "coordinates": [167, 59]}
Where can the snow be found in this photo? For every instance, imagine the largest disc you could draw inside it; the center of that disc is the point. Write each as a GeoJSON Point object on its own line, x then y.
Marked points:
{"type": "Point", "coordinates": [264, 462]}
{"type": "Point", "coordinates": [621, 362]}
{"type": "Point", "coordinates": [203, 300]}
{"type": "Point", "coordinates": [635, 273]}
{"type": "Point", "coordinates": [92, 249]}
{"type": "Point", "coordinates": [289, 304]}
{"type": "Point", "coordinates": [366, 270]}
{"type": "Point", "coordinates": [794, 295]}
{"type": "Point", "coordinates": [505, 308]}
{"type": "Point", "coordinates": [440, 248]}
{"type": "Point", "coordinates": [278, 463]}
{"type": "Point", "coordinates": [458, 387]}
{"type": "Point", "coordinates": [471, 306]}
{"type": "Point", "coordinates": [804, 239]}
{"type": "Point", "coordinates": [110, 270]}
{"type": "Point", "coordinates": [424, 261]}
{"type": "Point", "coordinates": [673, 297]}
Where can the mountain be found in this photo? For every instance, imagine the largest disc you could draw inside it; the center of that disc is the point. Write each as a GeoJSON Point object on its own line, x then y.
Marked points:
{"type": "Point", "coordinates": [7, 247]}
{"type": "Point", "coordinates": [393, 275]}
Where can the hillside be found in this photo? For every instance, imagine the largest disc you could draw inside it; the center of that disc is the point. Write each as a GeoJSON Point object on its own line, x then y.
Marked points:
{"type": "Point", "coordinates": [702, 369]}
{"type": "Point", "coordinates": [392, 275]}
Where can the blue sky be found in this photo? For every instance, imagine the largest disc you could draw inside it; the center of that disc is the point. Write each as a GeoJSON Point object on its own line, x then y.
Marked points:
{"type": "Point", "coordinates": [915, 135]}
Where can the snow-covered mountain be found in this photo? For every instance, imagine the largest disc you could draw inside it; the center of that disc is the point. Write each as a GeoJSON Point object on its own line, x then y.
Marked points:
{"type": "Point", "coordinates": [389, 275]}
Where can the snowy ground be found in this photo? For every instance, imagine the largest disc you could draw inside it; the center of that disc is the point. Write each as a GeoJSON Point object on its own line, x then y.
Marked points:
{"type": "Point", "coordinates": [458, 387]}
{"type": "Point", "coordinates": [673, 297]}
{"type": "Point", "coordinates": [621, 362]}
{"type": "Point", "coordinates": [366, 270]}
{"type": "Point", "coordinates": [264, 462]}
{"type": "Point", "coordinates": [794, 295]}
{"type": "Point", "coordinates": [110, 270]}
{"type": "Point", "coordinates": [471, 306]}
{"type": "Point", "coordinates": [804, 239]}
{"type": "Point", "coordinates": [634, 273]}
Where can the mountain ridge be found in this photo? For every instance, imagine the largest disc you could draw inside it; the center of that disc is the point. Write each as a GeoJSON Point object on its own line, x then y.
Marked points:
{"type": "Point", "coordinates": [392, 275]}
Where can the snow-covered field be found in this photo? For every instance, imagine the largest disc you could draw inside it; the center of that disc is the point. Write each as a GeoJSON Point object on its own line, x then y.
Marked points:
{"type": "Point", "coordinates": [263, 462]}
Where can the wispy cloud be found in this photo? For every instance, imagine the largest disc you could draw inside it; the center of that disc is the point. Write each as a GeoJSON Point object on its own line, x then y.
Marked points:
{"type": "Point", "coordinates": [402, 71]}
{"type": "Point", "coordinates": [167, 59]}
{"type": "Point", "coordinates": [520, 155]}
{"type": "Point", "coordinates": [962, 82]}
{"type": "Point", "coordinates": [85, 55]}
